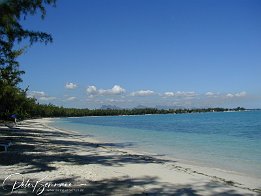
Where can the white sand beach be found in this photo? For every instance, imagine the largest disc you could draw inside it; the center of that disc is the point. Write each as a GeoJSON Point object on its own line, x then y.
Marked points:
{"type": "Point", "coordinates": [50, 161]}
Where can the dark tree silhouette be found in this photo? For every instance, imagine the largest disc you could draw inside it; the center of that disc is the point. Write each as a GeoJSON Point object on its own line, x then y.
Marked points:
{"type": "Point", "coordinates": [12, 33]}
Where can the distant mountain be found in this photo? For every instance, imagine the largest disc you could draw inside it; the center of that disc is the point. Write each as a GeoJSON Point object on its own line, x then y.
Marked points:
{"type": "Point", "coordinates": [159, 107]}
{"type": "Point", "coordinates": [110, 107]}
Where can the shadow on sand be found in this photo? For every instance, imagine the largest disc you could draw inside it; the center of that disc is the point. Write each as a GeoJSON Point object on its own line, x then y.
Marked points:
{"type": "Point", "coordinates": [146, 186]}
{"type": "Point", "coordinates": [31, 146]}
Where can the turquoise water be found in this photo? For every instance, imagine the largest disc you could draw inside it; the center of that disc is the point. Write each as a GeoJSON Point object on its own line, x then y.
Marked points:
{"type": "Point", "coordinates": [227, 140]}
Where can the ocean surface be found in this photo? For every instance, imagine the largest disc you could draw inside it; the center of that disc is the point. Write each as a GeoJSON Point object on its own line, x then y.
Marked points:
{"type": "Point", "coordinates": [227, 140]}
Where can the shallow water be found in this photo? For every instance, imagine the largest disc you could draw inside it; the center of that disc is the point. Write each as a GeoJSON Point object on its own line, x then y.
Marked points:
{"type": "Point", "coordinates": [226, 140]}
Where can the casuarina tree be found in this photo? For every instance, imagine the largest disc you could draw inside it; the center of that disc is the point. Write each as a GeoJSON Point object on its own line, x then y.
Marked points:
{"type": "Point", "coordinates": [12, 33]}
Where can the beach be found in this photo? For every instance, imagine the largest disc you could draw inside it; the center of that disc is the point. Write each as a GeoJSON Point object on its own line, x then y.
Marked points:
{"type": "Point", "coordinates": [50, 161]}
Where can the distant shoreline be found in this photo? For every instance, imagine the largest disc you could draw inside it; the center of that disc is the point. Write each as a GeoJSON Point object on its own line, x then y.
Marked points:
{"type": "Point", "coordinates": [59, 112]}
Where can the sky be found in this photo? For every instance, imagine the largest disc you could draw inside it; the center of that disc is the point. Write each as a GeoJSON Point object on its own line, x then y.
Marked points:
{"type": "Point", "coordinates": [174, 53]}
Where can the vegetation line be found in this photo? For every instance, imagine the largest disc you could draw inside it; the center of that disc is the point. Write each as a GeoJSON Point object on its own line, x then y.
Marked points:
{"type": "Point", "coordinates": [40, 110]}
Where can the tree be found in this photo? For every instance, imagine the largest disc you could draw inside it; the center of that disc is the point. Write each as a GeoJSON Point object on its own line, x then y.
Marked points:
{"type": "Point", "coordinates": [12, 34]}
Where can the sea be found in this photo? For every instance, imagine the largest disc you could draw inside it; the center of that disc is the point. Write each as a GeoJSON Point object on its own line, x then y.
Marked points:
{"type": "Point", "coordinates": [229, 141]}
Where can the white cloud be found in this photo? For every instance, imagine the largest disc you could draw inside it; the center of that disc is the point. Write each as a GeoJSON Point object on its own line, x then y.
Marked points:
{"type": "Point", "coordinates": [36, 94]}
{"type": "Point", "coordinates": [92, 90]}
{"type": "Point", "coordinates": [210, 94]}
{"type": "Point", "coordinates": [40, 95]}
{"type": "Point", "coordinates": [117, 100]}
{"type": "Point", "coordinates": [47, 98]}
{"type": "Point", "coordinates": [71, 98]}
{"type": "Point", "coordinates": [241, 94]}
{"type": "Point", "coordinates": [91, 96]}
{"type": "Point", "coordinates": [70, 85]}
{"type": "Point", "coordinates": [169, 94]}
{"type": "Point", "coordinates": [142, 93]}
{"type": "Point", "coordinates": [115, 90]}
{"type": "Point", "coordinates": [229, 95]}
{"type": "Point", "coordinates": [180, 94]}
{"type": "Point", "coordinates": [186, 94]}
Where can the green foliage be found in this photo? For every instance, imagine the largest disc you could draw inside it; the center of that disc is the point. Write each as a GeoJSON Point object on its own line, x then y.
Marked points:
{"type": "Point", "coordinates": [40, 110]}
{"type": "Point", "coordinates": [12, 98]}
{"type": "Point", "coordinates": [12, 32]}
{"type": "Point", "coordinates": [11, 13]}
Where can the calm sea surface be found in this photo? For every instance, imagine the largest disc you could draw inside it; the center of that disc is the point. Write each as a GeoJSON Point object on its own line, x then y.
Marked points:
{"type": "Point", "coordinates": [227, 140]}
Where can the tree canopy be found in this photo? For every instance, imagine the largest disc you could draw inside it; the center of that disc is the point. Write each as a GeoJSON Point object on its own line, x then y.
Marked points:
{"type": "Point", "coordinates": [12, 33]}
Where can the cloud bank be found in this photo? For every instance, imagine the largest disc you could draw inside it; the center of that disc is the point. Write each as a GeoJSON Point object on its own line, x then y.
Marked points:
{"type": "Point", "coordinates": [180, 94]}
{"type": "Point", "coordinates": [240, 94]}
{"type": "Point", "coordinates": [118, 95]}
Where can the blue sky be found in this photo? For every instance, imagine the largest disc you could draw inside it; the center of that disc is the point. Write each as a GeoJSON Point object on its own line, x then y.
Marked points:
{"type": "Point", "coordinates": [192, 53]}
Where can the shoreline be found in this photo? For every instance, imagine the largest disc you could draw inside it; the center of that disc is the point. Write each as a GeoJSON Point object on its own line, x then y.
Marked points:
{"type": "Point", "coordinates": [144, 114]}
{"type": "Point", "coordinates": [191, 166]}
{"type": "Point", "coordinates": [135, 144]}
{"type": "Point", "coordinates": [81, 158]}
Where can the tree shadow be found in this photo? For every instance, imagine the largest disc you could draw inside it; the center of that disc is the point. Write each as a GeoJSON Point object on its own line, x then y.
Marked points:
{"type": "Point", "coordinates": [144, 186]}
{"type": "Point", "coordinates": [39, 149]}
{"type": "Point", "coordinates": [32, 149]}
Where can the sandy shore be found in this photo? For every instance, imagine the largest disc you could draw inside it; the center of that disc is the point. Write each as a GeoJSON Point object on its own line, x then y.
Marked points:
{"type": "Point", "coordinates": [49, 161]}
